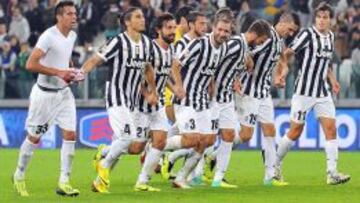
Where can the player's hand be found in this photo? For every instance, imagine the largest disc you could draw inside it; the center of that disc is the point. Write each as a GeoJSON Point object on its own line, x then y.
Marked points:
{"type": "Point", "coordinates": [66, 74]}
{"type": "Point", "coordinates": [237, 86]}
{"type": "Point", "coordinates": [279, 81]}
{"type": "Point", "coordinates": [179, 91]}
{"type": "Point", "coordinates": [335, 87]}
{"type": "Point", "coordinates": [249, 64]}
{"type": "Point", "coordinates": [152, 98]}
{"type": "Point", "coordinates": [80, 75]}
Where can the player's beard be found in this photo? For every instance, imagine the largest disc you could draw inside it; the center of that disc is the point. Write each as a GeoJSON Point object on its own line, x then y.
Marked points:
{"type": "Point", "coordinates": [168, 38]}
{"type": "Point", "coordinates": [221, 40]}
{"type": "Point", "coordinates": [198, 34]}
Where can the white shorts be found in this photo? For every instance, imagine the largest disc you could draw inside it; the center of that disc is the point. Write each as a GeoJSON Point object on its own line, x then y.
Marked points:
{"type": "Point", "coordinates": [122, 122]}
{"type": "Point", "coordinates": [48, 108]}
{"type": "Point", "coordinates": [191, 121]}
{"type": "Point", "coordinates": [224, 116]}
{"type": "Point", "coordinates": [302, 105]}
{"type": "Point", "coordinates": [146, 122]}
{"type": "Point", "coordinates": [250, 110]}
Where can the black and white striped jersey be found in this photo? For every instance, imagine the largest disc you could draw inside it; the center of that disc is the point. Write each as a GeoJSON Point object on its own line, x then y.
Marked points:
{"type": "Point", "coordinates": [128, 62]}
{"type": "Point", "coordinates": [229, 68]}
{"type": "Point", "coordinates": [161, 62]}
{"type": "Point", "coordinates": [199, 61]}
{"type": "Point", "coordinates": [314, 52]}
{"type": "Point", "coordinates": [257, 83]}
{"type": "Point", "coordinates": [181, 44]}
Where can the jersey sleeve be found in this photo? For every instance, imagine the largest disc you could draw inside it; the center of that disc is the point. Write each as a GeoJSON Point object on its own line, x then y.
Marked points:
{"type": "Point", "coordinates": [110, 49]}
{"type": "Point", "coordinates": [260, 48]}
{"type": "Point", "coordinates": [300, 41]}
{"type": "Point", "coordinates": [44, 42]}
{"type": "Point", "coordinates": [179, 47]}
{"type": "Point", "coordinates": [190, 51]}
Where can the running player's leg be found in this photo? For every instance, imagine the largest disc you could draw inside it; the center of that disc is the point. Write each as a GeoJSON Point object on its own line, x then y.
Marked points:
{"type": "Point", "coordinates": [66, 119]}
{"type": "Point", "coordinates": [169, 159]}
{"type": "Point", "coordinates": [208, 128]}
{"type": "Point", "coordinates": [39, 119]}
{"type": "Point", "coordinates": [266, 119]}
{"type": "Point", "coordinates": [227, 124]}
{"type": "Point", "coordinates": [158, 128]}
{"type": "Point", "coordinates": [122, 122]}
{"type": "Point", "coordinates": [300, 106]}
{"type": "Point", "coordinates": [188, 123]}
{"type": "Point", "coordinates": [325, 111]}
{"type": "Point", "coordinates": [248, 110]}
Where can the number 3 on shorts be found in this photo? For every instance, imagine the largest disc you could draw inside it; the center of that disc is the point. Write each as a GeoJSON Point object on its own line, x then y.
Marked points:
{"type": "Point", "coordinates": [192, 123]}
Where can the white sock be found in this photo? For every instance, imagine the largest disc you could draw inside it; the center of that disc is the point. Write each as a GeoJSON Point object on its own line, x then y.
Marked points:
{"type": "Point", "coordinates": [209, 151]}
{"type": "Point", "coordinates": [66, 155]}
{"type": "Point", "coordinates": [284, 146]}
{"type": "Point", "coordinates": [199, 170]}
{"type": "Point", "coordinates": [173, 143]}
{"type": "Point", "coordinates": [177, 154]}
{"type": "Point", "coordinates": [151, 160]}
{"type": "Point", "coordinates": [26, 151]}
{"type": "Point", "coordinates": [223, 159]}
{"type": "Point", "coordinates": [105, 151]}
{"type": "Point", "coordinates": [117, 147]}
{"type": "Point", "coordinates": [269, 156]}
{"type": "Point", "coordinates": [331, 150]}
{"type": "Point", "coordinates": [189, 165]}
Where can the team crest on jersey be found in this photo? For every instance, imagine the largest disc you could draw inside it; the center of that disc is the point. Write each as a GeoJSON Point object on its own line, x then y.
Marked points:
{"type": "Point", "coordinates": [135, 63]}
{"type": "Point", "coordinates": [164, 70]}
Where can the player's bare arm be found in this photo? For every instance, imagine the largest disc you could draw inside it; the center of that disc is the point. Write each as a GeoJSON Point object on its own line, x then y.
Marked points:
{"type": "Point", "coordinates": [281, 72]}
{"type": "Point", "coordinates": [92, 63]}
{"type": "Point", "coordinates": [150, 79]}
{"type": "Point", "coordinates": [178, 87]}
{"type": "Point", "coordinates": [333, 81]}
{"type": "Point", "coordinates": [212, 88]}
{"type": "Point", "coordinates": [249, 62]}
{"type": "Point", "coordinates": [33, 65]}
{"type": "Point", "coordinates": [282, 68]}
{"type": "Point", "coordinates": [237, 84]}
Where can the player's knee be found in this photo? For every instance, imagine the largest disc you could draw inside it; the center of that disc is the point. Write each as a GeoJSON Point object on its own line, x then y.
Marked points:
{"type": "Point", "coordinates": [202, 143]}
{"type": "Point", "coordinates": [159, 144]}
{"type": "Point", "coordinates": [69, 135]}
{"type": "Point", "coordinates": [210, 140]}
{"type": "Point", "coordinates": [227, 136]}
{"type": "Point", "coordinates": [246, 134]}
{"type": "Point", "coordinates": [295, 131]}
{"type": "Point", "coordinates": [190, 141]}
{"type": "Point", "coordinates": [33, 139]}
{"type": "Point", "coordinates": [136, 148]}
{"type": "Point", "coordinates": [330, 132]}
{"type": "Point", "coordinates": [269, 131]}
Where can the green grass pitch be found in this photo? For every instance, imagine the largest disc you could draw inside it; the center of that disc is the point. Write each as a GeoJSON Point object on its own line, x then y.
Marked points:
{"type": "Point", "coordinates": [304, 170]}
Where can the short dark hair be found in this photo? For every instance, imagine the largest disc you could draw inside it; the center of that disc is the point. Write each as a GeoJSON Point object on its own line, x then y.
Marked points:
{"type": "Point", "coordinates": [260, 27]}
{"type": "Point", "coordinates": [183, 12]}
{"type": "Point", "coordinates": [126, 16]}
{"type": "Point", "coordinates": [224, 14]}
{"type": "Point", "coordinates": [323, 6]}
{"type": "Point", "coordinates": [59, 8]}
{"type": "Point", "coordinates": [160, 21]}
{"type": "Point", "coordinates": [287, 16]}
{"type": "Point", "coordinates": [193, 15]}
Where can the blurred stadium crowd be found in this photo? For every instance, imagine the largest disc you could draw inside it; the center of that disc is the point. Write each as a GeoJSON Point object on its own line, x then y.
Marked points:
{"type": "Point", "coordinates": [22, 21]}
